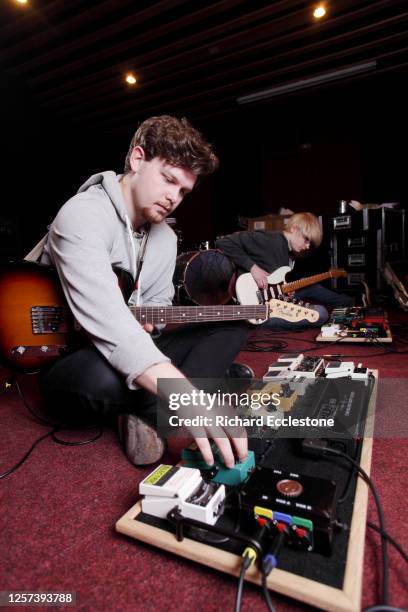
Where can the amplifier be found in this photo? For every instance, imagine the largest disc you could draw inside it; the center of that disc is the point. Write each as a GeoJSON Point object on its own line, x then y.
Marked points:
{"type": "Point", "coordinates": [356, 242]}
{"type": "Point", "coordinates": [343, 222]}
{"type": "Point", "coordinates": [356, 278]}
{"type": "Point", "coordinates": [356, 259]}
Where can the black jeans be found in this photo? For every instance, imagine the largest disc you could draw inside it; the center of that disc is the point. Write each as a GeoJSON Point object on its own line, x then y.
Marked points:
{"type": "Point", "coordinates": [82, 387]}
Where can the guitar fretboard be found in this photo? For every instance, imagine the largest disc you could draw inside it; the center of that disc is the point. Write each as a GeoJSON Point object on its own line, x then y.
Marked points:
{"type": "Point", "coordinates": [310, 280]}
{"type": "Point", "coordinates": [195, 314]}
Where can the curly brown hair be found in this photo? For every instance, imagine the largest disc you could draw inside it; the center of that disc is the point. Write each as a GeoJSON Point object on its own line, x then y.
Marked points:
{"type": "Point", "coordinates": [176, 141]}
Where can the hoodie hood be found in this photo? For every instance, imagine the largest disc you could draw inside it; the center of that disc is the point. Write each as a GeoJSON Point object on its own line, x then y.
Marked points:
{"type": "Point", "coordinates": [109, 181]}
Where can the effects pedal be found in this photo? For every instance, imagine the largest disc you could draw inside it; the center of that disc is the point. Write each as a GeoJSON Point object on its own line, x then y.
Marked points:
{"type": "Point", "coordinates": [291, 360]}
{"type": "Point", "coordinates": [172, 486]}
{"type": "Point", "coordinates": [192, 458]}
{"type": "Point", "coordinates": [338, 369]}
{"type": "Point", "coordinates": [283, 366]}
{"type": "Point", "coordinates": [360, 373]}
{"type": "Point", "coordinates": [278, 374]}
{"type": "Point", "coordinates": [309, 367]}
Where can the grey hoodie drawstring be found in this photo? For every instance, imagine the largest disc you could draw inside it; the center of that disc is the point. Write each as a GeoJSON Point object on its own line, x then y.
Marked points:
{"type": "Point", "coordinates": [134, 266]}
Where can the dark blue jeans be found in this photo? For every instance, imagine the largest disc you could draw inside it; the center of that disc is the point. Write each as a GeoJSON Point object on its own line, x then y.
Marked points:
{"type": "Point", "coordinates": [318, 294]}
{"type": "Point", "coordinates": [83, 385]}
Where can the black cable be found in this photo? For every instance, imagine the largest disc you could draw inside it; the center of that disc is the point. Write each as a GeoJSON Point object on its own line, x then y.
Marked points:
{"type": "Point", "coordinates": [246, 562]}
{"type": "Point", "coordinates": [347, 489]}
{"type": "Point", "coordinates": [67, 443]}
{"type": "Point", "coordinates": [37, 417]}
{"type": "Point", "coordinates": [28, 453]}
{"type": "Point", "coordinates": [367, 479]}
{"type": "Point", "coordinates": [57, 440]}
{"type": "Point", "coordinates": [391, 540]}
{"type": "Point", "coordinates": [60, 426]}
{"type": "Point", "coordinates": [266, 595]}
{"type": "Point", "coordinates": [52, 432]}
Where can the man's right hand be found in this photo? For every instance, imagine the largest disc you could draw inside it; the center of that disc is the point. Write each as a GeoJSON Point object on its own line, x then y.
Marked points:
{"type": "Point", "coordinates": [226, 446]}
{"type": "Point", "coordinates": [260, 276]}
{"type": "Point", "coordinates": [225, 438]}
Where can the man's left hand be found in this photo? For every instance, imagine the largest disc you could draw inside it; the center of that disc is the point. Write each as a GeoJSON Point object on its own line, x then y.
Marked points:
{"type": "Point", "coordinates": [148, 327]}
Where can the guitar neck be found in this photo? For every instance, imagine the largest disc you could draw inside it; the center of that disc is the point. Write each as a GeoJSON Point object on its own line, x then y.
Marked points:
{"type": "Point", "coordinates": [304, 282]}
{"type": "Point", "coordinates": [197, 314]}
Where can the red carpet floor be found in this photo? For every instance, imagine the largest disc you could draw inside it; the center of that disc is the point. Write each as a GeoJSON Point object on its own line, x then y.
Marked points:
{"type": "Point", "coordinates": [59, 509]}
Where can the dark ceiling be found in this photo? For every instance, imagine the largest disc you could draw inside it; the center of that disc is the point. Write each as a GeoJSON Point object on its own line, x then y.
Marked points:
{"type": "Point", "coordinates": [190, 57]}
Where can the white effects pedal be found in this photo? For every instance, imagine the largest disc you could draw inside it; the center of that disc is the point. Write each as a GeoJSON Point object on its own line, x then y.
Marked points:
{"type": "Point", "coordinates": [169, 486]}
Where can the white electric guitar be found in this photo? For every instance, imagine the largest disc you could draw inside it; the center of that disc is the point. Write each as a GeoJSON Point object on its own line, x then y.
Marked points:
{"type": "Point", "coordinates": [247, 290]}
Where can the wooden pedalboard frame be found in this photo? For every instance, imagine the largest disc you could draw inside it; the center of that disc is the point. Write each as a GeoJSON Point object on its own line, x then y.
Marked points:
{"type": "Point", "coordinates": [308, 591]}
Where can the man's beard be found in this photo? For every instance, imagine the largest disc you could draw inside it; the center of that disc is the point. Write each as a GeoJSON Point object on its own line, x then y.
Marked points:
{"type": "Point", "coordinates": [152, 215]}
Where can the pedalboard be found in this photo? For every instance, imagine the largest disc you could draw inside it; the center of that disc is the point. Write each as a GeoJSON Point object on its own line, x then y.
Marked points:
{"type": "Point", "coordinates": [356, 324]}
{"type": "Point", "coordinates": [335, 390]}
{"type": "Point", "coordinates": [279, 510]}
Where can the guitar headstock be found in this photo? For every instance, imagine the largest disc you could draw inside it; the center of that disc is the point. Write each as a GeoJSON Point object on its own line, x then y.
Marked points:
{"type": "Point", "coordinates": [338, 273]}
{"type": "Point", "coordinates": [291, 312]}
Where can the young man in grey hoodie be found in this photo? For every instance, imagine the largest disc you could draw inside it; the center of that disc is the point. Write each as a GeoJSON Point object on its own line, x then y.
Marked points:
{"type": "Point", "coordinates": [119, 220]}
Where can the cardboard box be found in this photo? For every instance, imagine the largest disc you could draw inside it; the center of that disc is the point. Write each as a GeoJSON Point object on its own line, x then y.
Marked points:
{"type": "Point", "coordinates": [269, 222]}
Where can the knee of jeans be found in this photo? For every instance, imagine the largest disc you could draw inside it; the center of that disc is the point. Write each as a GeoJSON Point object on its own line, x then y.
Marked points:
{"type": "Point", "coordinates": [234, 333]}
{"type": "Point", "coordinates": [347, 301]}
{"type": "Point", "coordinates": [323, 314]}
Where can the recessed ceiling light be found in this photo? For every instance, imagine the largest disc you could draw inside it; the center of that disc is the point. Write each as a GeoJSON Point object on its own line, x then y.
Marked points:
{"type": "Point", "coordinates": [21, 1]}
{"type": "Point", "coordinates": [130, 79]}
{"type": "Point", "coordinates": [319, 11]}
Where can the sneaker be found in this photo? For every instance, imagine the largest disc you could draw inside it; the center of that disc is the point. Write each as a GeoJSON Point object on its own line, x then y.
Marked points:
{"type": "Point", "coordinates": [238, 377]}
{"type": "Point", "coordinates": [240, 370]}
{"type": "Point", "coordinates": [140, 441]}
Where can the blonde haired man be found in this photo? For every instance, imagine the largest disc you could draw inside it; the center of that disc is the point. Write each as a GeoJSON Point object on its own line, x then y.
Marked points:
{"type": "Point", "coordinates": [262, 252]}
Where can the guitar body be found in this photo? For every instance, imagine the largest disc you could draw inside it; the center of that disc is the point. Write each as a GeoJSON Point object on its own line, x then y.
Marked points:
{"type": "Point", "coordinates": [36, 326]}
{"type": "Point", "coordinates": [34, 318]}
{"type": "Point", "coordinates": [247, 290]}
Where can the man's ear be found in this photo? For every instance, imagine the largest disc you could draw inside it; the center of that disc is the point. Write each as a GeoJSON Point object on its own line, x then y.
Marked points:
{"type": "Point", "coordinates": [136, 157]}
